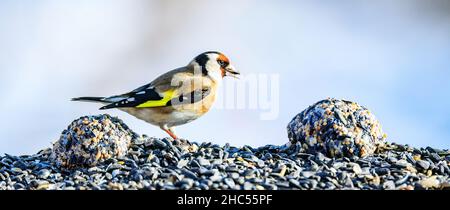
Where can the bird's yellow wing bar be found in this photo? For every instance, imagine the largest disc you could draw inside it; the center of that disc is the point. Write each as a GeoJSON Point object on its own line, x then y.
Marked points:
{"type": "Point", "coordinates": [168, 95]}
{"type": "Point", "coordinates": [145, 98]}
{"type": "Point", "coordinates": [150, 98]}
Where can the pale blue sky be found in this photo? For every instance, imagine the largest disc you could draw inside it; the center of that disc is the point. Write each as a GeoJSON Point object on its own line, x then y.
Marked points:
{"type": "Point", "coordinates": [392, 57]}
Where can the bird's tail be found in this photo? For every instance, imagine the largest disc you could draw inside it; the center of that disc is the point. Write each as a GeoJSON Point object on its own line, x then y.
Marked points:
{"type": "Point", "coordinates": [91, 99]}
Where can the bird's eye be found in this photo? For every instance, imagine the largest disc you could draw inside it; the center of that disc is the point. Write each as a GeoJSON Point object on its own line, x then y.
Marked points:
{"type": "Point", "coordinates": [222, 63]}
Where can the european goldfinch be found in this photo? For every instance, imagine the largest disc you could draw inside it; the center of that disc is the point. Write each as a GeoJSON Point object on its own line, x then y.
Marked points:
{"type": "Point", "coordinates": [176, 97]}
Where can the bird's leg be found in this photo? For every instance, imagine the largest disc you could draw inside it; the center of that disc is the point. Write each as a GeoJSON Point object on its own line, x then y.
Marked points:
{"type": "Point", "coordinates": [172, 130]}
{"type": "Point", "coordinates": [169, 131]}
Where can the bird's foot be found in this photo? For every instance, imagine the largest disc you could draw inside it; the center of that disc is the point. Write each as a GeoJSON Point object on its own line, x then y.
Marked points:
{"type": "Point", "coordinates": [171, 134]}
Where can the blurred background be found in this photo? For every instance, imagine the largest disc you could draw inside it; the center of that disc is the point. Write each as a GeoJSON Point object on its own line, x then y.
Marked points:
{"type": "Point", "coordinates": [390, 56]}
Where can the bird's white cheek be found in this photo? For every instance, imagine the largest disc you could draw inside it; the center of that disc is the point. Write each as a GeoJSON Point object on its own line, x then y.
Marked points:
{"type": "Point", "coordinates": [214, 70]}
{"type": "Point", "coordinates": [216, 76]}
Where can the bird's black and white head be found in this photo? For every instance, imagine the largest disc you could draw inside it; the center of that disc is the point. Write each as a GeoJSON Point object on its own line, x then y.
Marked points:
{"type": "Point", "coordinates": [215, 65]}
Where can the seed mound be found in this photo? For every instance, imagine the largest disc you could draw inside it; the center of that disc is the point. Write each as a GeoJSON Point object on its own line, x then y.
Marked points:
{"type": "Point", "coordinates": [337, 128]}
{"type": "Point", "coordinates": [90, 140]}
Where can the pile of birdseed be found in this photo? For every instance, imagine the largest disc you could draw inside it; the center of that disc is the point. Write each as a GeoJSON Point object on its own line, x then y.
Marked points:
{"type": "Point", "coordinates": [337, 128]}
{"type": "Point", "coordinates": [90, 140]}
{"type": "Point", "coordinates": [153, 163]}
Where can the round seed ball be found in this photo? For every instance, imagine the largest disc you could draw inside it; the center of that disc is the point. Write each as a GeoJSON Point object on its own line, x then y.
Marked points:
{"type": "Point", "coordinates": [336, 128]}
{"type": "Point", "coordinates": [90, 140]}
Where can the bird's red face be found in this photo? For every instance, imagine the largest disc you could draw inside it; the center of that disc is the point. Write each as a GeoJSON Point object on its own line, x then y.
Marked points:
{"type": "Point", "coordinates": [223, 61]}
{"type": "Point", "coordinates": [225, 67]}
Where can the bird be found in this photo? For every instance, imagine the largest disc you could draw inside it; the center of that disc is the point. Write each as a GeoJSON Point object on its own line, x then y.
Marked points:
{"type": "Point", "coordinates": [176, 97]}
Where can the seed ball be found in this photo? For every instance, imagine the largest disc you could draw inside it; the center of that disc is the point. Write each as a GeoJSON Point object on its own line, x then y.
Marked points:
{"type": "Point", "coordinates": [336, 128]}
{"type": "Point", "coordinates": [90, 140]}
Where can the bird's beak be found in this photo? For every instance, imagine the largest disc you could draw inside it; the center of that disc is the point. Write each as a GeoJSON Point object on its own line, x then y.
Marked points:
{"type": "Point", "coordinates": [231, 71]}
